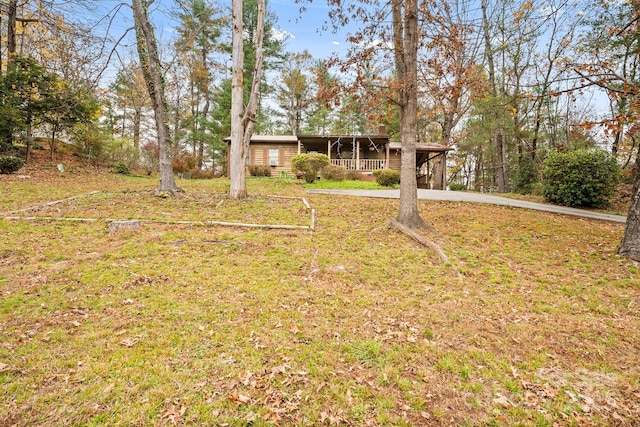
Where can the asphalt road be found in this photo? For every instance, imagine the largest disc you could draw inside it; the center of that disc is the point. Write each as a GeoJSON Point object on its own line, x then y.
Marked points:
{"type": "Point", "coordinates": [463, 196]}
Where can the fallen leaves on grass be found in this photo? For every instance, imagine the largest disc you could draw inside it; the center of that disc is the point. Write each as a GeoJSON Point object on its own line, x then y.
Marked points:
{"type": "Point", "coordinates": [337, 327]}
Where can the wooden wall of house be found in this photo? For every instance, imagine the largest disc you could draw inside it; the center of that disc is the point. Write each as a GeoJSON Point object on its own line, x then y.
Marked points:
{"type": "Point", "coordinates": [394, 160]}
{"type": "Point", "coordinates": [260, 156]}
{"type": "Point", "coordinates": [373, 155]}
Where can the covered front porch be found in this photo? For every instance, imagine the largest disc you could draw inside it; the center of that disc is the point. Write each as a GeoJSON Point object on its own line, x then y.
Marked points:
{"type": "Point", "coordinates": [364, 153]}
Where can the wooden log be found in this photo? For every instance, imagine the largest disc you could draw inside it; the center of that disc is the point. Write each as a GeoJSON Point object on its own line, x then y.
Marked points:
{"type": "Point", "coordinates": [47, 204]}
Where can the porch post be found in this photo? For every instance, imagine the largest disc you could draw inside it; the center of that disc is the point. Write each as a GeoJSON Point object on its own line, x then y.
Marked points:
{"type": "Point", "coordinates": [386, 156]}
{"type": "Point", "coordinates": [329, 150]}
{"type": "Point", "coordinates": [444, 170]}
{"type": "Point", "coordinates": [299, 148]}
{"type": "Point", "coordinates": [357, 154]}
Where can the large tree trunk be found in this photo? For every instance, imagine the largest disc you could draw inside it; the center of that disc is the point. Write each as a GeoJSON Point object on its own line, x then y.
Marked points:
{"type": "Point", "coordinates": [152, 70]}
{"type": "Point", "coordinates": [242, 124]}
{"type": "Point", "coordinates": [237, 155]}
{"type": "Point", "coordinates": [405, 41]}
{"type": "Point", "coordinates": [630, 244]}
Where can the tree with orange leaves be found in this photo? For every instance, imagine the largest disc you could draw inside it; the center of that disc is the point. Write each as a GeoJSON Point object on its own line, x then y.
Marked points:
{"type": "Point", "coordinates": [390, 32]}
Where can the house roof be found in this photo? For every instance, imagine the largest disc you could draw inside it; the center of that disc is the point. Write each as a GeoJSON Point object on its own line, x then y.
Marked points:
{"type": "Point", "coordinates": [322, 139]}
{"type": "Point", "coordinates": [310, 139]}
{"type": "Point", "coordinates": [271, 138]}
{"type": "Point", "coordinates": [313, 139]}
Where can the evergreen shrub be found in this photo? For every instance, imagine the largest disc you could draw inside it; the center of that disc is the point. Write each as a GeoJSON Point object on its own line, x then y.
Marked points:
{"type": "Point", "coordinates": [10, 164]}
{"type": "Point", "coordinates": [525, 177]}
{"type": "Point", "coordinates": [122, 168]}
{"type": "Point", "coordinates": [387, 177]}
{"type": "Point", "coordinates": [580, 178]}
{"type": "Point", "coordinates": [309, 165]}
{"type": "Point", "coordinates": [333, 172]}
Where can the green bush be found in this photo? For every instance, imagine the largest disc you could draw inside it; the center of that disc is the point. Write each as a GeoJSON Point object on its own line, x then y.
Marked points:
{"type": "Point", "coordinates": [457, 187]}
{"type": "Point", "coordinates": [353, 175]}
{"type": "Point", "coordinates": [309, 165]}
{"type": "Point", "coordinates": [580, 178]}
{"type": "Point", "coordinates": [122, 168]}
{"type": "Point", "coordinates": [525, 177]}
{"type": "Point", "coordinates": [333, 172]}
{"type": "Point", "coordinates": [260, 170]}
{"type": "Point", "coordinates": [387, 177]}
{"type": "Point", "coordinates": [10, 164]}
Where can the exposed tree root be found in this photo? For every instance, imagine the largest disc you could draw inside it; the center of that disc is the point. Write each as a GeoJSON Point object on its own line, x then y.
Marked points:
{"type": "Point", "coordinates": [425, 242]}
{"type": "Point", "coordinates": [173, 192]}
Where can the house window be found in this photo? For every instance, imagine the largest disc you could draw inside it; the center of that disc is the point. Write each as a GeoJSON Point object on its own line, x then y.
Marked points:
{"type": "Point", "coordinates": [274, 156]}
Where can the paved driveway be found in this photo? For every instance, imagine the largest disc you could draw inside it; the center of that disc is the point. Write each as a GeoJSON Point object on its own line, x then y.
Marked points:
{"type": "Point", "coordinates": [463, 196]}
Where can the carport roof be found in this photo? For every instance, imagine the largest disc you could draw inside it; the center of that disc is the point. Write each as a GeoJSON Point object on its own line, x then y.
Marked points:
{"type": "Point", "coordinates": [422, 147]}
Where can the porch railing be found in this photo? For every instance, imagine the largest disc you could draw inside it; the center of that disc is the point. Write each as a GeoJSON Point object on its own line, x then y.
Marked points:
{"type": "Point", "coordinates": [363, 165]}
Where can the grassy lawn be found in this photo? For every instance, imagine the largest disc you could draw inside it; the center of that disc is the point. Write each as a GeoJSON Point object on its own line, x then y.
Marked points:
{"type": "Point", "coordinates": [351, 324]}
{"type": "Point", "coordinates": [346, 184]}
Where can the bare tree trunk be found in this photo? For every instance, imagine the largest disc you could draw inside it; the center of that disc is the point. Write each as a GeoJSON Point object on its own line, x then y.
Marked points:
{"type": "Point", "coordinates": [440, 164]}
{"type": "Point", "coordinates": [6, 140]}
{"type": "Point", "coordinates": [237, 156]}
{"type": "Point", "coordinates": [29, 140]}
{"type": "Point", "coordinates": [242, 124]}
{"type": "Point", "coordinates": [137, 118]}
{"type": "Point", "coordinates": [630, 244]}
{"type": "Point", "coordinates": [405, 44]}
{"type": "Point", "coordinates": [499, 140]}
{"type": "Point", "coordinates": [52, 144]}
{"type": "Point", "coordinates": [12, 12]}
{"type": "Point", "coordinates": [205, 113]}
{"type": "Point", "coordinates": [152, 70]}
{"type": "Point", "coordinates": [249, 119]}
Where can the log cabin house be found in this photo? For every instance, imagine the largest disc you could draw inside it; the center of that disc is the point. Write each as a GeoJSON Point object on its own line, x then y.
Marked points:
{"type": "Point", "coordinates": [364, 153]}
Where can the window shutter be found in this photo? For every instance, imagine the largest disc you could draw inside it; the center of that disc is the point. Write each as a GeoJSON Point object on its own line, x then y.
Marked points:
{"type": "Point", "coordinates": [280, 157]}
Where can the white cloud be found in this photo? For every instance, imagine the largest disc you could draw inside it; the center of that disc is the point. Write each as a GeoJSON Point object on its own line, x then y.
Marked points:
{"type": "Point", "coordinates": [375, 43]}
{"type": "Point", "coordinates": [337, 43]}
{"type": "Point", "coordinates": [281, 35]}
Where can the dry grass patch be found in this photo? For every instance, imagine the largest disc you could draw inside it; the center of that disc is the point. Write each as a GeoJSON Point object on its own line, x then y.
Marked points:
{"type": "Point", "coordinates": [353, 324]}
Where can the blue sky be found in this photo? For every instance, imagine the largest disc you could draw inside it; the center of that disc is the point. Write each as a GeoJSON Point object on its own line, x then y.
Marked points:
{"type": "Point", "coordinates": [303, 28]}
{"type": "Point", "coordinates": [306, 28]}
